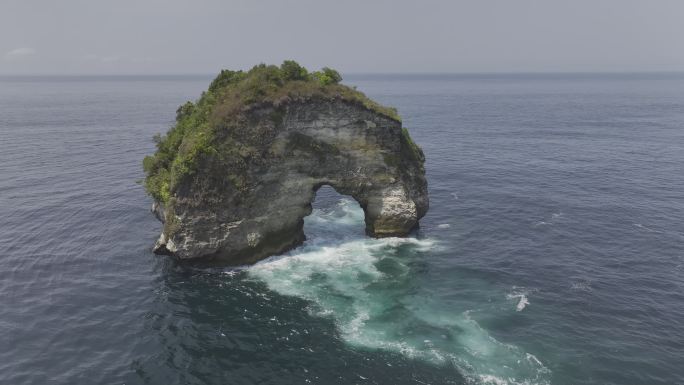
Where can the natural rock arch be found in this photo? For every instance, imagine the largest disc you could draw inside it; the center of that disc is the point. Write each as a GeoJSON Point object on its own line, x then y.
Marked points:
{"type": "Point", "coordinates": [235, 177]}
{"type": "Point", "coordinates": [356, 151]}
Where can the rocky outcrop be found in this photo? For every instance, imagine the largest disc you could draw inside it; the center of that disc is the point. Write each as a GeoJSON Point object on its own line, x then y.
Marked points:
{"type": "Point", "coordinates": [357, 151]}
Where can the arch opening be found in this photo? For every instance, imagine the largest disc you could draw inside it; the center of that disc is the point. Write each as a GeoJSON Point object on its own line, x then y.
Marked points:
{"type": "Point", "coordinates": [334, 217]}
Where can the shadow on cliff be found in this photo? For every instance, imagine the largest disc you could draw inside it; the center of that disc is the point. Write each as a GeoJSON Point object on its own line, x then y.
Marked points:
{"type": "Point", "coordinates": [325, 197]}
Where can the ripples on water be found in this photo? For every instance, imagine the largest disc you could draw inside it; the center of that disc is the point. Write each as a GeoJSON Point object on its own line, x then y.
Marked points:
{"type": "Point", "coordinates": [372, 289]}
{"type": "Point", "coordinates": [552, 253]}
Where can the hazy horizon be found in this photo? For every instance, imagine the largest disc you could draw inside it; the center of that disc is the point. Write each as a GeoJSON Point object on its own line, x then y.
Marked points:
{"type": "Point", "coordinates": [346, 74]}
{"type": "Point", "coordinates": [78, 37]}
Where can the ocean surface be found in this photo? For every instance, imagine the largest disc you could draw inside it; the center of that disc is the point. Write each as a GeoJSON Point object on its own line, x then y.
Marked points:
{"type": "Point", "coordinates": [553, 251]}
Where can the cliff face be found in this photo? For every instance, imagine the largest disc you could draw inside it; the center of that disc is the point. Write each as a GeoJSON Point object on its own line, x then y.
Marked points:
{"type": "Point", "coordinates": [355, 150]}
{"type": "Point", "coordinates": [248, 195]}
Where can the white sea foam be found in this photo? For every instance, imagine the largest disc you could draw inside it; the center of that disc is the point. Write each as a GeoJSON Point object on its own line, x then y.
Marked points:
{"type": "Point", "coordinates": [365, 286]}
{"type": "Point", "coordinates": [647, 229]}
{"type": "Point", "coordinates": [443, 226]}
{"type": "Point", "coordinates": [533, 359]}
{"type": "Point", "coordinates": [555, 217]}
{"type": "Point", "coordinates": [488, 379]}
{"type": "Point", "coordinates": [521, 296]}
{"type": "Point", "coordinates": [522, 303]}
{"type": "Point", "coordinates": [581, 286]}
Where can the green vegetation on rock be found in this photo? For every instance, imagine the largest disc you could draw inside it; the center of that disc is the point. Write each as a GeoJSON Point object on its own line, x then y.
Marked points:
{"type": "Point", "coordinates": [414, 151]}
{"type": "Point", "coordinates": [192, 142]}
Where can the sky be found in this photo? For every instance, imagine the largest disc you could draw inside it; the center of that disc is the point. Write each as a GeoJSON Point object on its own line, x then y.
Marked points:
{"type": "Point", "coordinates": [353, 36]}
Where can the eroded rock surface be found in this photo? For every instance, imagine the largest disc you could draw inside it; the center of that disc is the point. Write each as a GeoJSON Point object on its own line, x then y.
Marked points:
{"type": "Point", "coordinates": [234, 179]}
{"type": "Point", "coordinates": [357, 151]}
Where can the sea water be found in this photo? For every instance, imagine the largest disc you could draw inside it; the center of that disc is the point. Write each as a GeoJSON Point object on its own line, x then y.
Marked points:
{"type": "Point", "coordinates": [553, 251]}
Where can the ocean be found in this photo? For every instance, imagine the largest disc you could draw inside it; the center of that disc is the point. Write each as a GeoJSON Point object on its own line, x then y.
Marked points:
{"type": "Point", "coordinates": [552, 253]}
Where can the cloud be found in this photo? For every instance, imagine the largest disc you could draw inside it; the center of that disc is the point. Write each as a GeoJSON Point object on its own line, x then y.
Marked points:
{"type": "Point", "coordinates": [20, 53]}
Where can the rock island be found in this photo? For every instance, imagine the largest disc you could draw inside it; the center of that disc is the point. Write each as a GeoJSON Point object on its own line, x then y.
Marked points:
{"type": "Point", "coordinates": [235, 176]}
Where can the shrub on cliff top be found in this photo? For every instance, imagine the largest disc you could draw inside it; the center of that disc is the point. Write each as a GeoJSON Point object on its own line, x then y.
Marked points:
{"type": "Point", "coordinates": [226, 100]}
{"type": "Point", "coordinates": [291, 70]}
{"type": "Point", "coordinates": [327, 76]}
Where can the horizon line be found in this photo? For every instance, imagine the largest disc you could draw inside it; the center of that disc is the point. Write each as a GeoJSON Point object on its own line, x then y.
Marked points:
{"type": "Point", "coordinates": [355, 73]}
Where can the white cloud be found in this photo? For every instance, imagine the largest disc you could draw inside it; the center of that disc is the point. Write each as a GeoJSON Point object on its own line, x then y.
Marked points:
{"type": "Point", "coordinates": [20, 53]}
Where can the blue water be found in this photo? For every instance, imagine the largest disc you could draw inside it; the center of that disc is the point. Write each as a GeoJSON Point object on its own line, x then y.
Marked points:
{"type": "Point", "coordinates": [553, 251]}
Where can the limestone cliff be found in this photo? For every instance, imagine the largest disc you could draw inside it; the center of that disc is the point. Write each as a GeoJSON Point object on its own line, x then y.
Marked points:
{"type": "Point", "coordinates": [239, 189]}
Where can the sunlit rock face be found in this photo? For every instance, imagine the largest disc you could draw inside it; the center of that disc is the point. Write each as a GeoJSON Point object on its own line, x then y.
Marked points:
{"type": "Point", "coordinates": [255, 208]}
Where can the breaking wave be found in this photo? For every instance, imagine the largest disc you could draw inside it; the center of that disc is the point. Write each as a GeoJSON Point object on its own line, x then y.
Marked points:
{"type": "Point", "coordinates": [522, 300]}
{"type": "Point", "coordinates": [370, 289]}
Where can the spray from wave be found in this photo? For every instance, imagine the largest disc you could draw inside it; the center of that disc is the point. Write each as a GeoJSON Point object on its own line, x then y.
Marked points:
{"type": "Point", "coordinates": [369, 288]}
{"type": "Point", "coordinates": [520, 295]}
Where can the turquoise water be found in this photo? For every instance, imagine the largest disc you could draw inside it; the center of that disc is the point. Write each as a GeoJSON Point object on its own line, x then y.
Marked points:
{"type": "Point", "coordinates": [553, 251]}
{"type": "Point", "coordinates": [373, 291]}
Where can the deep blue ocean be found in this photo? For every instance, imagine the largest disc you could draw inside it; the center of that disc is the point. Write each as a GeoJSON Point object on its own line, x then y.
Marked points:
{"type": "Point", "coordinates": [553, 251]}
